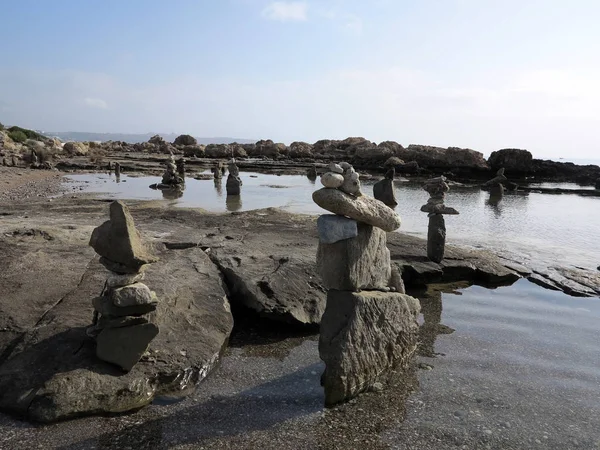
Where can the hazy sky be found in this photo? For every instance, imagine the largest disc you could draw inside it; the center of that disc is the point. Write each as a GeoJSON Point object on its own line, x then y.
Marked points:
{"type": "Point", "coordinates": [483, 74]}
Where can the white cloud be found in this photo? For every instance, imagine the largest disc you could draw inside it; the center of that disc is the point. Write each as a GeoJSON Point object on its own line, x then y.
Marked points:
{"type": "Point", "coordinates": [286, 11]}
{"type": "Point", "coordinates": [95, 103]}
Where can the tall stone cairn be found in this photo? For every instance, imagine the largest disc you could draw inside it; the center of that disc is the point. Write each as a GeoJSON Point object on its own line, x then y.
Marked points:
{"type": "Point", "coordinates": [125, 313]}
{"type": "Point", "coordinates": [370, 324]}
{"type": "Point", "coordinates": [436, 231]}
{"type": "Point", "coordinates": [496, 186]}
{"type": "Point", "coordinates": [384, 190]}
{"type": "Point", "coordinates": [234, 182]}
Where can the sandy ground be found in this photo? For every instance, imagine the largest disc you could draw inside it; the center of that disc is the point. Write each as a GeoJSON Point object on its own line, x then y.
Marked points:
{"type": "Point", "coordinates": [17, 183]}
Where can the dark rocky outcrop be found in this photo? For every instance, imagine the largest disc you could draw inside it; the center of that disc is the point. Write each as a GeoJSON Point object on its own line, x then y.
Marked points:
{"type": "Point", "coordinates": [512, 159]}
{"type": "Point", "coordinates": [185, 139]}
{"type": "Point", "coordinates": [437, 158]}
{"type": "Point", "coordinates": [299, 150]}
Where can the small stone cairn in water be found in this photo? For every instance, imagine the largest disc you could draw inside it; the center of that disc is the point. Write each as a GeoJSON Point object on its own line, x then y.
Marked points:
{"type": "Point", "coordinates": [218, 170]}
{"type": "Point", "coordinates": [496, 186]}
{"type": "Point", "coordinates": [234, 182]}
{"type": "Point", "coordinates": [369, 324]}
{"type": "Point", "coordinates": [436, 232]}
{"type": "Point", "coordinates": [171, 177]}
{"type": "Point", "coordinates": [384, 190]}
{"type": "Point", "coordinates": [125, 313]}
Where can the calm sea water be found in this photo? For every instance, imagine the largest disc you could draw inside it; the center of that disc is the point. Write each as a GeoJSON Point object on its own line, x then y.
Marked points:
{"type": "Point", "coordinates": [559, 229]}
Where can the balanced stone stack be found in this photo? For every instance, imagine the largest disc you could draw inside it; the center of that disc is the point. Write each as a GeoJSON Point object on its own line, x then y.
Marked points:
{"type": "Point", "coordinates": [171, 177]}
{"type": "Point", "coordinates": [234, 182]}
{"type": "Point", "coordinates": [384, 190]}
{"type": "Point", "coordinates": [218, 170]}
{"type": "Point", "coordinates": [496, 186]}
{"type": "Point", "coordinates": [436, 232]}
{"type": "Point", "coordinates": [125, 319]}
{"type": "Point", "coordinates": [369, 324]}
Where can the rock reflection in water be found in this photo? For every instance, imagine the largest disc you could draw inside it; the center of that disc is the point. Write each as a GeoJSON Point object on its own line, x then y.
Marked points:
{"type": "Point", "coordinates": [172, 193]}
{"type": "Point", "coordinates": [219, 186]}
{"type": "Point", "coordinates": [233, 203]}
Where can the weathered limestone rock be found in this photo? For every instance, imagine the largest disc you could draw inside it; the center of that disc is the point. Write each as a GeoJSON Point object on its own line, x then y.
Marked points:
{"type": "Point", "coordinates": [384, 190]}
{"type": "Point", "coordinates": [362, 209]}
{"type": "Point", "coordinates": [116, 281]}
{"type": "Point", "coordinates": [133, 295]}
{"type": "Point", "coordinates": [233, 185]}
{"type": "Point", "coordinates": [363, 335]}
{"type": "Point", "coordinates": [105, 306]}
{"type": "Point", "coordinates": [125, 346]}
{"type": "Point", "coordinates": [356, 264]}
{"type": "Point", "coordinates": [118, 241]}
{"type": "Point", "coordinates": [181, 169]}
{"type": "Point", "coordinates": [496, 186]}
{"type": "Point", "coordinates": [332, 180]}
{"type": "Point", "coordinates": [333, 228]}
{"type": "Point", "coordinates": [351, 183]}
{"type": "Point", "coordinates": [436, 238]}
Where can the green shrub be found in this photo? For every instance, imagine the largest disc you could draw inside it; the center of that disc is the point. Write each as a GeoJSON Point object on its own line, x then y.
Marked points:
{"type": "Point", "coordinates": [17, 136]}
{"type": "Point", "coordinates": [30, 134]}
{"type": "Point", "coordinates": [1, 126]}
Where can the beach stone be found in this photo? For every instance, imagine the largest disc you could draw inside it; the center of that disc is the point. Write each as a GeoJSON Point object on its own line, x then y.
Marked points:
{"type": "Point", "coordinates": [125, 321]}
{"type": "Point", "coordinates": [118, 241]}
{"type": "Point", "coordinates": [233, 185]}
{"type": "Point", "coordinates": [436, 238]}
{"type": "Point", "coordinates": [384, 192]}
{"type": "Point", "coordinates": [362, 336]}
{"type": "Point", "coordinates": [125, 346]}
{"type": "Point", "coordinates": [106, 307]}
{"type": "Point", "coordinates": [121, 269]}
{"type": "Point", "coordinates": [119, 280]}
{"type": "Point", "coordinates": [438, 208]}
{"type": "Point", "coordinates": [354, 264]}
{"type": "Point", "coordinates": [333, 228]}
{"type": "Point", "coordinates": [496, 192]}
{"type": "Point", "coordinates": [362, 209]}
{"type": "Point", "coordinates": [332, 180]}
{"type": "Point", "coordinates": [133, 295]}
{"type": "Point", "coordinates": [335, 168]}
{"type": "Point", "coordinates": [351, 183]}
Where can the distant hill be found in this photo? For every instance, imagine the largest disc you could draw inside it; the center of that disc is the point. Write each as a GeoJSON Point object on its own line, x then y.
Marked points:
{"type": "Point", "coordinates": [79, 136]}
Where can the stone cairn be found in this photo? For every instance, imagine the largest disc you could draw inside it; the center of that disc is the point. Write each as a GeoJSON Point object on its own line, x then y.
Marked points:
{"type": "Point", "coordinates": [311, 173]}
{"type": "Point", "coordinates": [218, 170]}
{"type": "Point", "coordinates": [234, 182]}
{"type": "Point", "coordinates": [369, 325]}
{"type": "Point", "coordinates": [181, 169]}
{"type": "Point", "coordinates": [125, 313]}
{"type": "Point", "coordinates": [171, 177]}
{"type": "Point", "coordinates": [496, 186]}
{"type": "Point", "coordinates": [384, 190]}
{"type": "Point", "coordinates": [117, 170]}
{"type": "Point", "coordinates": [436, 231]}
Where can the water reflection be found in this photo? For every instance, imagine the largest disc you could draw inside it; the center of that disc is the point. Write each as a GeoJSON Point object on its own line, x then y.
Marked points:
{"type": "Point", "coordinates": [173, 193]}
{"type": "Point", "coordinates": [233, 202]}
{"type": "Point", "coordinates": [218, 182]}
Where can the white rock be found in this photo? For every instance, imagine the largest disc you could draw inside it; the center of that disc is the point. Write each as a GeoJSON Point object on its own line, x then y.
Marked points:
{"type": "Point", "coordinates": [335, 168]}
{"type": "Point", "coordinates": [332, 180]}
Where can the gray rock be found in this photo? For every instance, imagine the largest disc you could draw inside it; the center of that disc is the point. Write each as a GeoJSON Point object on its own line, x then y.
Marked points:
{"type": "Point", "coordinates": [105, 306]}
{"type": "Point", "coordinates": [351, 184]}
{"type": "Point", "coordinates": [125, 346]}
{"type": "Point", "coordinates": [355, 264]}
{"type": "Point", "coordinates": [116, 281]}
{"type": "Point", "coordinates": [362, 336]}
{"type": "Point", "coordinates": [133, 295]}
{"type": "Point", "coordinates": [233, 185]}
{"type": "Point", "coordinates": [118, 241]}
{"type": "Point", "coordinates": [121, 269]}
{"type": "Point", "coordinates": [332, 180]}
{"type": "Point", "coordinates": [362, 209]}
{"type": "Point", "coordinates": [125, 321]}
{"type": "Point", "coordinates": [335, 168]}
{"type": "Point", "coordinates": [384, 192]}
{"type": "Point", "coordinates": [333, 228]}
{"type": "Point", "coordinates": [436, 238]}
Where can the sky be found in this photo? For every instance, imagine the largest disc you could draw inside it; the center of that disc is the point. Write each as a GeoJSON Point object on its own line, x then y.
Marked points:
{"type": "Point", "coordinates": [480, 74]}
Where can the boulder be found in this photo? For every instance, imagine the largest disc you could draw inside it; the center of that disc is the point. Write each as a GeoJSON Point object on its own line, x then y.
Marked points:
{"type": "Point", "coordinates": [333, 228]}
{"type": "Point", "coordinates": [299, 150]}
{"type": "Point", "coordinates": [436, 238]}
{"type": "Point", "coordinates": [238, 151]}
{"type": "Point", "coordinates": [156, 140]}
{"type": "Point", "coordinates": [512, 159]}
{"type": "Point", "coordinates": [118, 240]}
{"type": "Point", "coordinates": [377, 154]}
{"type": "Point", "coordinates": [362, 209]}
{"type": "Point", "coordinates": [218, 151]}
{"type": "Point", "coordinates": [362, 336]}
{"type": "Point", "coordinates": [185, 139]}
{"type": "Point", "coordinates": [393, 161]}
{"type": "Point", "coordinates": [190, 151]}
{"type": "Point", "coordinates": [75, 148]}
{"type": "Point", "coordinates": [384, 190]}
{"type": "Point", "coordinates": [269, 149]}
{"type": "Point", "coordinates": [441, 158]}
{"type": "Point", "coordinates": [355, 264]}
{"type": "Point", "coordinates": [332, 180]}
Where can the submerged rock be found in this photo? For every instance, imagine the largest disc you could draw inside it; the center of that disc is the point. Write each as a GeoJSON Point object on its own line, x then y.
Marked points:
{"type": "Point", "coordinates": [362, 336]}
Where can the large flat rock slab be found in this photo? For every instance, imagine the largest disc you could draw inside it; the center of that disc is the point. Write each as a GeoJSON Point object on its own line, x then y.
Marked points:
{"type": "Point", "coordinates": [50, 372]}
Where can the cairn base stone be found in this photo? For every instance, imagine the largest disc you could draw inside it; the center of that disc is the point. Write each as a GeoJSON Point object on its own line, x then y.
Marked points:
{"type": "Point", "coordinates": [125, 346]}
{"type": "Point", "coordinates": [333, 228]}
{"type": "Point", "coordinates": [133, 295]}
{"type": "Point", "coordinates": [233, 185]}
{"type": "Point", "coordinates": [384, 192]}
{"type": "Point", "coordinates": [116, 281]}
{"type": "Point", "coordinates": [104, 305]}
{"type": "Point", "coordinates": [362, 336]}
{"type": "Point", "coordinates": [354, 264]}
{"type": "Point", "coordinates": [436, 238]}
